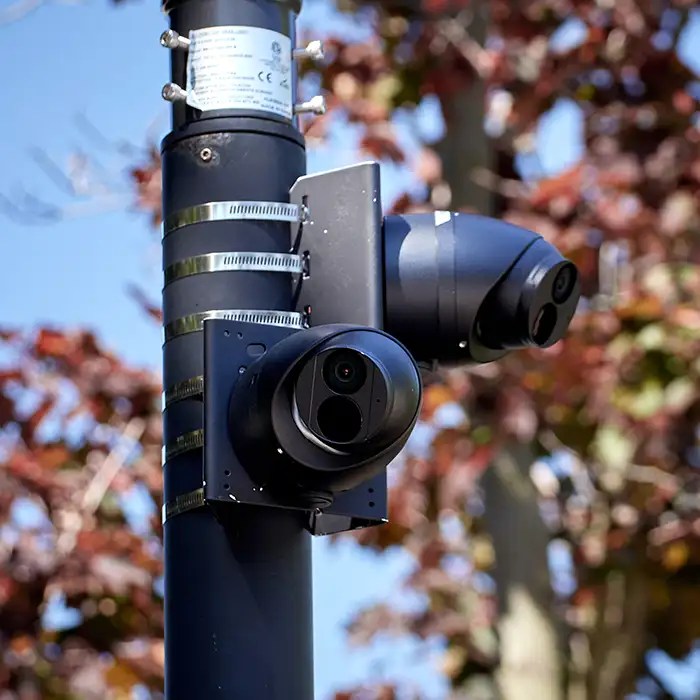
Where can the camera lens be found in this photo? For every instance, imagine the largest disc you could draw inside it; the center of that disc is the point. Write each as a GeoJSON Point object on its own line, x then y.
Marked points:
{"type": "Point", "coordinates": [544, 324]}
{"type": "Point", "coordinates": [345, 372]}
{"type": "Point", "coordinates": [563, 284]}
{"type": "Point", "coordinates": [339, 419]}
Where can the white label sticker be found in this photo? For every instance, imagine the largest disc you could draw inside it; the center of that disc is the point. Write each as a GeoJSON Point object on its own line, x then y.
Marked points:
{"type": "Point", "coordinates": [240, 68]}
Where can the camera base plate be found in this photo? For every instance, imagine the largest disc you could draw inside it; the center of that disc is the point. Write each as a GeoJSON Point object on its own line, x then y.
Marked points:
{"type": "Point", "coordinates": [229, 347]}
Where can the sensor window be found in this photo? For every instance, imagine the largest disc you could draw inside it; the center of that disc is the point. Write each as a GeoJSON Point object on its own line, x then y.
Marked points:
{"type": "Point", "coordinates": [339, 419]}
{"type": "Point", "coordinates": [564, 284]}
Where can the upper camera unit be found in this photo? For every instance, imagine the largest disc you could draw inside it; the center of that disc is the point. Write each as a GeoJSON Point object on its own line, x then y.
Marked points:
{"type": "Point", "coordinates": [463, 288]}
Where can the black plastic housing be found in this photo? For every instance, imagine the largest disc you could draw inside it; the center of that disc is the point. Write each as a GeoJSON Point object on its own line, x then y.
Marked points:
{"type": "Point", "coordinates": [455, 289]}
{"type": "Point", "coordinates": [235, 476]}
{"type": "Point", "coordinates": [463, 288]}
{"type": "Point", "coordinates": [265, 428]}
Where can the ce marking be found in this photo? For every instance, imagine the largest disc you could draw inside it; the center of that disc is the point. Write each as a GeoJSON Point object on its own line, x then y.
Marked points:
{"type": "Point", "coordinates": [262, 77]}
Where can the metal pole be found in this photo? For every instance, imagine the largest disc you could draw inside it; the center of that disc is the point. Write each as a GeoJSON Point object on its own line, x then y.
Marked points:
{"type": "Point", "coordinates": [238, 612]}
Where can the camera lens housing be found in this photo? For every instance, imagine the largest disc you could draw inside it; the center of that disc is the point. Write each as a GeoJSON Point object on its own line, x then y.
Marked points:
{"type": "Point", "coordinates": [325, 408]}
{"type": "Point", "coordinates": [342, 397]}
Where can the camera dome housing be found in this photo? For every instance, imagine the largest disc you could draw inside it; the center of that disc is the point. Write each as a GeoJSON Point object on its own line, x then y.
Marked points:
{"type": "Point", "coordinates": [463, 288]}
{"type": "Point", "coordinates": [325, 409]}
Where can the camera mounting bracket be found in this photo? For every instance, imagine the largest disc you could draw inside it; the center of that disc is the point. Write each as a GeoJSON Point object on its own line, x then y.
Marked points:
{"type": "Point", "coordinates": [342, 244]}
{"type": "Point", "coordinates": [229, 347]}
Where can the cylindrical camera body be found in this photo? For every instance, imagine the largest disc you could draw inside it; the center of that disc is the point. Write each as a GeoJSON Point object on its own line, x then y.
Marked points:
{"type": "Point", "coordinates": [463, 288]}
{"type": "Point", "coordinates": [325, 409]}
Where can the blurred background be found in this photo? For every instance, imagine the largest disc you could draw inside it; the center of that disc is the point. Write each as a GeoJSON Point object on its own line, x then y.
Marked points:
{"type": "Point", "coordinates": [544, 540]}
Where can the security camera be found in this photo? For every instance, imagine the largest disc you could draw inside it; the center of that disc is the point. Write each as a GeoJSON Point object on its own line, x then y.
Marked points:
{"type": "Point", "coordinates": [463, 288]}
{"type": "Point", "coordinates": [455, 289]}
{"type": "Point", "coordinates": [324, 409]}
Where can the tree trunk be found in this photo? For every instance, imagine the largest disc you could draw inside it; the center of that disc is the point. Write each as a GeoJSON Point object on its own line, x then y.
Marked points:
{"type": "Point", "coordinates": [618, 641]}
{"type": "Point", "coordinates": [464, 149]}
{"type": "Point", "coordinates": [531, 665]}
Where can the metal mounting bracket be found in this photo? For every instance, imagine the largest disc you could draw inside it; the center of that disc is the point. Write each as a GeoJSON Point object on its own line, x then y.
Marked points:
{"type": "Point", "coordinates": [230, 346]}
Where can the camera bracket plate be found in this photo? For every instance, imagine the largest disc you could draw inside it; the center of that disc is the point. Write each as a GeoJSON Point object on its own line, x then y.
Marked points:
{"type": "Point", "coordinates": [342, 242]}
{"type": "Point", "coordinates": [229, 347]}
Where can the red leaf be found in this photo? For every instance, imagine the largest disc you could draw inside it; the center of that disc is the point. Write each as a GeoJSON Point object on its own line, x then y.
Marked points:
{"type": "Point", "coordinates": [52, 344]}
{"type": "Point", "coordinates": [7, 410]}
{"type": "Point", "coordinates": [28, 427]}
{"type": "Point", "coordinates": [10, 375]}
{"type": "Point", "coordinates": [382, 145]}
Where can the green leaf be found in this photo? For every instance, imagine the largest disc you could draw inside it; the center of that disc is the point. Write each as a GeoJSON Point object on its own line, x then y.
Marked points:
{"type": "Point", "coordinates": [652, 337]}
{"type": "Point", "coordinates": [680, 393]}
{"type": "Point", "coordinates": [641, 402]}
{"type": "Point", "coordinates": [619, 346]}
{"type": "Point", "coordinates": [613, 448]}
{"type": "Point", "coordinates": [481, 435]}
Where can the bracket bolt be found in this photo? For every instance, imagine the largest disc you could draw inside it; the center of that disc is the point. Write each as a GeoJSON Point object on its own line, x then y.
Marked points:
{"type": "Point", "coordinates": [170, 39]}
{"type": "Point", "coordinates": [316, 105]}
{"type": "Point", "coordinates": [173, 93]}
{"type": "Point", "coordinates": [206, 154]}
{"type": "Point", "coordinates": [313, 51]}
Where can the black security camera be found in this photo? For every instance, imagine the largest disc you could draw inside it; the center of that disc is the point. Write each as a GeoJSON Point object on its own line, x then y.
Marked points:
{"type": "Point", "coordinates": [324, 409]}
{"type": "Point", "coordinates": [462, 288]}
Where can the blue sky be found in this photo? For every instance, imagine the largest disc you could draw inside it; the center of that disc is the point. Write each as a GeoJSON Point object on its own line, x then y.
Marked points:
{"type": "Point", "coordinates": [106, 63]}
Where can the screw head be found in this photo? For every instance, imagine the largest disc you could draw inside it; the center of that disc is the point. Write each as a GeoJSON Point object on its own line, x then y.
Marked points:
{"type": "Point", "coordinates": [315, 50]}
{"type": "Point", "coordinates": [173, 93]}
{"type": "Point", "coordinates": [318, 104]}
{"type": "Point", "coordinates": [167, 38]}
{"type": "Point", "coordinates": [206, 154]}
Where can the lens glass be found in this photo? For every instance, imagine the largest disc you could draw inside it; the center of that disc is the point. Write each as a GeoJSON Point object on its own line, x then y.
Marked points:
{"type": "Point", "coordinates": [563, 284]}
{"type": "Point", "coordinates": [544, 324]}
{"type": "Point", "coordinates": [344, 372]}
{"type": "Point", "coordinates": [339, 419]}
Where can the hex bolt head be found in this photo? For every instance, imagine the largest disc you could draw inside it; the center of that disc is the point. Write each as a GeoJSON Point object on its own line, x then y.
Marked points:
{"type": "Point", "coordinates": [170, 39]}
{"type": "Point", "coordinates": [313, 51]}
{"type": "Point", "coordinates": [316, 105]}
{"type": "Point", "coordinates": [173, 93]}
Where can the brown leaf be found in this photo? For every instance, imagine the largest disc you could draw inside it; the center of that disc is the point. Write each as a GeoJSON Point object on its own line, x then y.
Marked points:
{"type": "Point", "coordinates": [50, 343]}
{"type": "Point", "coordinates": [382, 144]}
{"type": "Point", "coordinates": [52, 456]}
{"type": "Point", "coordinates": [7, 410]}
{"type": "Point", "coordinates": [29, 426]}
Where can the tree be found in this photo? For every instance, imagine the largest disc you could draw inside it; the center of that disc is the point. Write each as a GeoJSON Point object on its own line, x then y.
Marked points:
{"type": "Point", "coordinates": [80, 431]}
{"type": "Point", "coordinates": [609, 416]}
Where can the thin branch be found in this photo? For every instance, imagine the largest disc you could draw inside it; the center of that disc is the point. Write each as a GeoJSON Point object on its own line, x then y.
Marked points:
{"type": "Point", "coordinates": [23, 8]}
{"type": "Point", "coordinates": [98, 487]}
{"type": "Point", "coordinates": [100, 189]}
{"type": "Point", "coordinates": [99, 139]}
{"type": "Point", "coordinates": [52, 170]}
{"type": "Point", "coordinates": [19, 10]}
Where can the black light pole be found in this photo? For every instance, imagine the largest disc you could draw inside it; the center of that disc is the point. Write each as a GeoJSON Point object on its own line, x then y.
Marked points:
{"type": "Point", "coordinates": [238, 611]}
